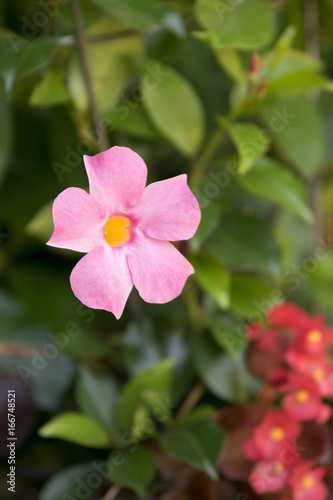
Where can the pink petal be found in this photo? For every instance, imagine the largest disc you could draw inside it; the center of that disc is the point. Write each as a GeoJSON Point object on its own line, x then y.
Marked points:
{"type": "Point", "coordinates": [168, 210]}
{"type": "Point", "coordinates": [158, 270]}
{"type": "Point", "coordinates": [101, 279]}
{"type": "Point", "coordinates": [78, 221]}
{"type": "Point", "coordinates": [117, 178]}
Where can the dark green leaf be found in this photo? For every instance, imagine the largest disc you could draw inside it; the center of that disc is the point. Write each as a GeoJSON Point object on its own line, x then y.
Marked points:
{"type": "Point", "coordinates": [135, 470]}
{"type": "Point", "coordinates": [225, 376]}
{"type": "Point", "coordinates": [244, 242]}
{"type": "Point", "coordinates": [64, 484]}
{"type": "Point", "coordinates": [198, 444]}
{"type": "Point", "coordinates": [213, 277]}
{"type": "Point", "coordinates": [6, 127]}
{"type": "Point", "coordinates": [273, 181]}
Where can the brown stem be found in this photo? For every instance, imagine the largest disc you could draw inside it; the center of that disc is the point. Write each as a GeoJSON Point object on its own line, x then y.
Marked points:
{"type": "Point", "coordinates": [192, 399]}
{"type": "Point", "coordinates": [113, 492]}
{"type": "Point", "coordinates": [100, 131]}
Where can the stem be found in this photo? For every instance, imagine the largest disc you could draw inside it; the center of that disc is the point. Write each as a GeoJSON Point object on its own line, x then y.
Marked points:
{"type": "Point", "coordinates": [99, 129]}
{"type": "Point", "coordinates": [113, 492]}
{"type": "Point", "coordinates": [208, 153]}
{"type": "Point", "coordinates": [311, 25]}
{"type": "Point", "coordinates": [192, 399]}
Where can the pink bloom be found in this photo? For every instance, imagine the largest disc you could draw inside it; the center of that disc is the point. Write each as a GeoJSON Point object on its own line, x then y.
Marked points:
{"type": "Point", "coordinates": [269, 476]}
{"type": "Point", "coordinates": [273, 439]}
{"type": "Point", "coordinates": [306, 484]}
{"type": "Point", "coordinates": [303, 401]}
{"type": "Point", "coordinates": [125, 229]}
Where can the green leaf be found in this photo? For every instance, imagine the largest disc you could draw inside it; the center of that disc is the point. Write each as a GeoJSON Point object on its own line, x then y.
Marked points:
{"type": "Point", "coordinates": [108, 63]}
{"type": "Point", "coordinates": [182, 123]}
{"type": "Point", "coordinates": [6, 136]}
{"type": "Point", "coordinates": [289, 70]}
{"type": "Point", "coordinates": [251, 142]}
{"type": "Point", "coordinates": [229, 334]}
{"type": "Point", "coordinates": [131, 117]}
{"type": "Point", "coordinates": [135, 471]}
{"type": "Point", "coordinates": [244, 242]}
{"type": "Point", "coordinates": [213, 277]}
{"type": "Point", "coordinates": [76, 428]}
{"type": "Point", "coordinates": [225, 376]}
{"type": "Point", "coordinates": [319, 279]}
{"type": "Point", "coordinates": [96, 395]}
{"type": "Point", "coordinates": [269, 179]}
{"type": "Point", "coordinates": [210, 215]}
{"type": "Point", "coordinates": [64, 484]}
{"type": "Point", "coordinates": [231, 62]}
{"type": "Point", "coordinates": [247, 25]}
{"type": "Point", "coordinates": [145, 15]}
{"type": "Point", "coordinates": [37, 54]}
{"type": "Point", "coordinates": [155, 381]}
{"type": "Point", "coordinates": [251, 296]}
{"type": "Point", "coordinates": [198, 444]}
{"type": "Point", "coordinates": [51, 90]}
{"type": "Point", "coordinates": [297, 127]}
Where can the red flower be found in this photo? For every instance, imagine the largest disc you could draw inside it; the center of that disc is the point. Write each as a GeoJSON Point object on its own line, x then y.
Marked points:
{"type": "Point", "coordinates": [304, 402]}
{"type": "Point", "coordinates": [306, 484]}
{"type": "Point", "coordinates": [273, 438]}
{"type": "Point", "coordinates": [288, 316]}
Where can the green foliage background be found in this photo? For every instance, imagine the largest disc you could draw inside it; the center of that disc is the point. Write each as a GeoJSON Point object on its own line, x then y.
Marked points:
{"type": "Point", "coordinates": [171, 80]}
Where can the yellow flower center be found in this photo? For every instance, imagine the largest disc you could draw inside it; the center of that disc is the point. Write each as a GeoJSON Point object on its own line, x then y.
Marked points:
{"type": "Point", "coordinates": [308, 482]}
{"type": "Point", "coordinates": [116, 230]}
{"type": "Point", "coordinates": [277, 434]}
{"type": "Point", "coordinates": [318, 374]}
{"type": "Point", "coordinates": [314, 336]}
{"type": "Point", "coordinates": [302, 396]}
{"type": "Point", "coordinates": [278, 468]}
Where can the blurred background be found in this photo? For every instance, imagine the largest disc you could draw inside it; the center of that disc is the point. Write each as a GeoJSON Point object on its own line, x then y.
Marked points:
{"type": "Point", "coordinates": [238, 95]}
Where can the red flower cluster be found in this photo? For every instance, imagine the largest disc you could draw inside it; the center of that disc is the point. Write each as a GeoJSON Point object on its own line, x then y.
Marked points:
{"type": "Point", "coordinates": [291, 353]}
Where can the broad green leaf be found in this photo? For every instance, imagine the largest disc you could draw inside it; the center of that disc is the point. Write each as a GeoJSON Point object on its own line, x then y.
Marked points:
{"type": "Point", "coordinates": [41, 225]}
{"type": "Point", "coordinates": [131, 117]}
{"type": "Point", "coordinates": [231, 62]}
{"type": "Point", "coordinates": [251, 296]}
{"type": "Point", "coordinates": [6, 136]}
{"type": "Point", "coordinates": [244, 242]}
{"type": "Point", "coordinates": [108, 64]}
{"type": "Point", "coordinates": [64, 484]}
{"type": "Point", "coordinates": [96, 395]}
{"type": "Point", "coordinates": [145, 15]}
{"type": "Point", "coordinates": [36, 54]}
{"type": "Point", "coordinates": [289, 70]}
{"type": "Point", "coordinates": [76, 428]}
{"type": "Point", "coordinates": [227, 332]}
{"type": "Point", "coordinates": [135, 470]}
{"type": "Point", "coordinates": [225, 376]}
{"type": "Point", "coordinates": [273, 181]}
{"type": "Point", "coordinates": [213, 277]}
{"type": "Point", "coordinates": [183, 122]}
{"type": "Point", "coordinates": [296, 124]}
{"type": "Point", "coordinates": [51, 90]}
{"type": "Point", "coordinates": [198, 444]}
{"type": "Point", "coordinates": [251, 142]}
{"type": "Point", "coordinates": [155, 381]}
{"type": "Point", "coordinates": [245, 24]}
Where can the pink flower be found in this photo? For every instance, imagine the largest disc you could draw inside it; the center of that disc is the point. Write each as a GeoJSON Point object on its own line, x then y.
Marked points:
{"type": "Point", "coordinates": [306, 484]}
{"type": "Point", "coordinates": [125, 228]}
{"type": "Point", "coordinates": [303, 401]}
{"type": "Point", "coordinates": [269, 476]}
